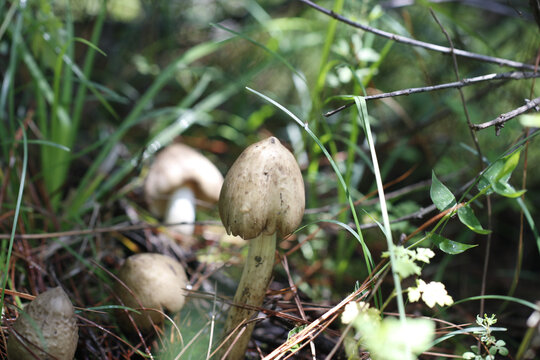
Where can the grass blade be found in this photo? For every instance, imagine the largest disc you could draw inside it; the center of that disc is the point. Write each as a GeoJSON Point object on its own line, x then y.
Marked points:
{"type": "Point", "coordinates": [15, 217]}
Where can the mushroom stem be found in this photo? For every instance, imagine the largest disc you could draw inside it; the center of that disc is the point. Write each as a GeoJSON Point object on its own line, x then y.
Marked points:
{"type": "Point", "coordinates": [251, 290]}
{"type": "Point", "coordinates": [181, 209]}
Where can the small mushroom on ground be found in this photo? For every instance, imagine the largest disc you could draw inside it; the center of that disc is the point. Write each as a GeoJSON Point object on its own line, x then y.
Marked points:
{"type": "Point", "coordinates": [263, 194]}
{"type": "Point", "coordinates": [178, 176]}
{"type": "Point", "coordinates": [45, 329]}
{"type": "Point", "coordinates": [154, 282]}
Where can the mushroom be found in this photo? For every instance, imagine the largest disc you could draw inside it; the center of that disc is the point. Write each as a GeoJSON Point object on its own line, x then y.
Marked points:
{"type": "Point", "coordinates": [154, 282]}
{"type": "Point", "coordinates": [45, 329]}
{"type": "Point", "coordinates": [263, 194]}
{"type": "Point", "coordinates": [179, 175]}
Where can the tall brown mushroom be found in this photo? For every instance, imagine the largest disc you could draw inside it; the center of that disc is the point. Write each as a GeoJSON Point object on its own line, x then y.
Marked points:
{"type": "Point", "coordinates": [263, 194]}
{"type": "Point", "coordinates": [178, 176]}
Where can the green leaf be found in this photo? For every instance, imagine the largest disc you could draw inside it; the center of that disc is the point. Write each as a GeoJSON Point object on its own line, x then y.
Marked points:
{"type": "Point", "coordinates": [498, 174]}
{"type": "Point", "coordinates": [293, 332]}
{"type": "Point", "coordinates": [440, 195]}
{"type": "Point", "coordinates": [507, 190]}
{"type": "Point", "coordinates": [483, 182]}
{"type": "Point", "coordinates": [492, 172]}
{"type": "Point", "coordinates": [449, 246]}
{"type": "Point", "coordinates": [467, 217]}
{"type": "Point", "coordinates": [500, 170]}
{"type": "Point", "coordinates": [500, 343]}
{"type": "Point", "coordinates": [509, 165]}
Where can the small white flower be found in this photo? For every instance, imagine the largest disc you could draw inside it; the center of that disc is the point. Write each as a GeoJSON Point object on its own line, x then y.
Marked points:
{"type": "Point", "coordinates": [435, 293]}
{"type": "Point", "coordinates": [421, 285]}
{"type": "Point", "coordinates": [350, 313]}
{"type": "Point", "coordinates": [424, 254]}
{"type": "Point", "coordinates": [414, 294]}
{"type": "Point", "coordinates": [432, 293]}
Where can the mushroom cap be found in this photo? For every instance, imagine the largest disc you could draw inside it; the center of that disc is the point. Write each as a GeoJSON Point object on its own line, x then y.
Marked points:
{"type": "Point", "coordinates": [176, 166]}
{"type": "Point", "coordinates": [263, 192]}
{"type": "Point", "coordinates": [47, 327]}
{"type": "Point", "coordinates": [156, 282]}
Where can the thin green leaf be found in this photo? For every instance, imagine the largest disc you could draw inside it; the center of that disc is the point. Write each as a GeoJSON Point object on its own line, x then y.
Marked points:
{"type": "Point", "coordinates": [530, 220]}
{"type": "Point", "coordinates": [440, 195]}
{"type": "Point", "coordinates": [15, 219]}
{"type": "Point", "coordinates": [500, 170]}
{"type": "Point", "coordinates": [499, 297]}
{"type": "Point", "coordinates": [507, 190]}
{"type": "Point", "coordinates": [49, 143]}
{"type": "Point", "coordinates": [364, 121]}
{"type": "Point", "coordinates": [469, 330]}
{"type": "Point", "coordinates": [467, 217]}
{"type": "Point", "coordinates": [90, 45]}
{"type": "Point", "coordinates": [449, 246]}
{"type": "Point", "coordinates": [509, 165]}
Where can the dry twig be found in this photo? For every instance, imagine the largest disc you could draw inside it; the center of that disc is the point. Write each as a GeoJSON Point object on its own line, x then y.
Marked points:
{"type": "Point", "coordinates": [512, 75]}
{"type": "Point", "coordinates": [422, 44]}
{"type": "Point", "coordinates": [503, 118]}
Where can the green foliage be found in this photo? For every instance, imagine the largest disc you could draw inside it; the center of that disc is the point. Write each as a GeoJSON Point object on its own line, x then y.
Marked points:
{"type": "Point", "coordinates": [440, 195]}
{"type": "Point", "coordinates": [489, 341]}
{"type": "Point", "coordinates": [495, 179]}
{"type": "Point", "coordinates": [91, 90]}
{"type": "Point", "coordinates": [449, 246]}
{"type": "Point", "coordinates": [467, 218]}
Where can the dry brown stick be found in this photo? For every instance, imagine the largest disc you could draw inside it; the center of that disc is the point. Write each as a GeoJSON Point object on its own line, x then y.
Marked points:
{"type": "Point", "coordinates": [101, 230]}
{"type": "Point", "coordinates": [297, 301]}
{"type": "Point", "coordinates": [512, 75]}
{"type": "Point", "coordinates": [425, 45]}
{"type": "Point", "coordinates": [503, 118]}
{"type": "Point", "coordinates": [309, 330]}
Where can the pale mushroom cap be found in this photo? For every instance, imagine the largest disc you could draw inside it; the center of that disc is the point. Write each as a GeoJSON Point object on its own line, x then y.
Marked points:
{"type": "Point", "coordinates": [176, 166]}
{"type": "Point", "coordinates": [263, 192]}
{"type": "Point", "coordinates": [46, 326]}
{"type": "Point", "coordinates": [157, 281]}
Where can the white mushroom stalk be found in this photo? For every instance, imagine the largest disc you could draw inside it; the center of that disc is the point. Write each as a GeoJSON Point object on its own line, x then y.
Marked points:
{"type": "Point", "coordinates": [178, 176]}
{"type": "Point", "coordinates": [262, 195]}
{"type": "Point", "coordinates": [181, 211]}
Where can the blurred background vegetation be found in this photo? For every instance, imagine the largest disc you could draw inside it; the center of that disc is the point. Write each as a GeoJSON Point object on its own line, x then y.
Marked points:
{"type": "Point", "coordinates": [91, 90]}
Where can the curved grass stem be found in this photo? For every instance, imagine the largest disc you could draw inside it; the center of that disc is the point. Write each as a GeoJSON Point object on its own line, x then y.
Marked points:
{"type": "Point", "coordinates": [362, 110]}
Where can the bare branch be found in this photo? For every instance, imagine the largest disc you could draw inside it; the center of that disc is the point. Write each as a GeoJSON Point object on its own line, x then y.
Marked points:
{"type": "Point", "coordinates": [503, 118]}
{"type": "Point", "coordinates": [513, 75]}
{"type": "Point", "coordinates": [425, 45]}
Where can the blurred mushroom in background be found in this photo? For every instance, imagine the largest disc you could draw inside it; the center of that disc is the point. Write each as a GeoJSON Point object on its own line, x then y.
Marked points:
{"type": "Point", "coordinates": [178, 176]}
